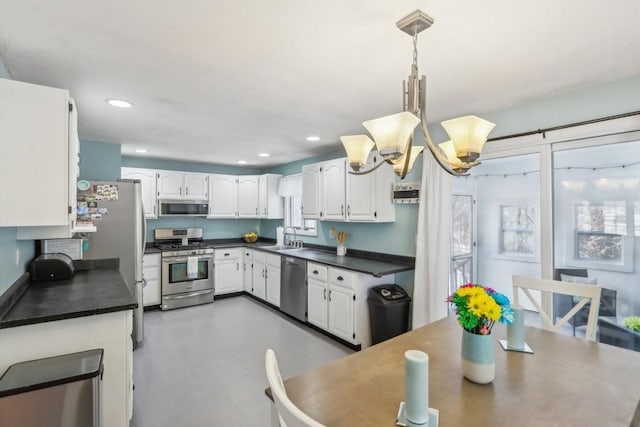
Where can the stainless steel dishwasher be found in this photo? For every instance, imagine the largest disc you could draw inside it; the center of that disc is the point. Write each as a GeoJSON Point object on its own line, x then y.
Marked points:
{"type": "Point", "coordinates": [293, 287]}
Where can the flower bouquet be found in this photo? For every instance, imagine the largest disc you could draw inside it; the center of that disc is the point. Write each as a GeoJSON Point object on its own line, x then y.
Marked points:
{"type": "Point", "coordinates": [479, 307]}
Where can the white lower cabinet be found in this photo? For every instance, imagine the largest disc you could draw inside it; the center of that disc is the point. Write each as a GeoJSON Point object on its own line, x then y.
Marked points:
{"type": "Point", "coordinates": [151, 270]}
{"type": "Point", "coordinates": [337, 301]}
{"type": "Point", "coordinates": [266, 277]}
{"type": "Point", "coordinates": [229, 274]}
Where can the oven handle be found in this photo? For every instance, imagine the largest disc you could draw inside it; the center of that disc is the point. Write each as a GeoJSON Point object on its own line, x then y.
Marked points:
{"type": "Point", "coordinates": [191, 294]}
{"type": "Point", "coordinates": [170, 260]}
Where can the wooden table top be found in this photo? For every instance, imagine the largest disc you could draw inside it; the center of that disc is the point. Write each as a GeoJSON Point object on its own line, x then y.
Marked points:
{"type": "Point", "coordinates": [567, 382]}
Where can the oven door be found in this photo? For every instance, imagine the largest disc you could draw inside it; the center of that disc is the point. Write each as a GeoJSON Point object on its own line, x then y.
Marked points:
{"type": "Point", "coordinates": [175, 279]}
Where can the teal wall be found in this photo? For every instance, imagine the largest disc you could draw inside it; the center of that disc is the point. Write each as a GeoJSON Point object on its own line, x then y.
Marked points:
{"type": "Point", "coordinates": [99, 161]}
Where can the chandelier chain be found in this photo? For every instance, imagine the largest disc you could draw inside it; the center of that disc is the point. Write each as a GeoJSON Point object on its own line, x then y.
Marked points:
{"type": "Point", "coordinates": [415, 51]}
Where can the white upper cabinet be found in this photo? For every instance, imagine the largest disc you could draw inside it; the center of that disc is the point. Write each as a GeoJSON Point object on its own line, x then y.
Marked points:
{"type": "Point", "coordinates": [330, 193]}
{"type": "Point", "coordinates": [223, 196]}
{"type": "Point", "coordinates": [39, 159]}
{"type": "Point", "coordinates": [147, 177]}
{"type": "Point", "coordinates": [270, 204]}
{"type": "Point", "coordinates": [333, 190]}
{"type": "Point", "coordinates": [311, 191]}
{"type": "Point", "coordinates": [248, 196]}
{"type": "Point", "coordinates": [369, 196]}
{"type": "Point", "coordinates": [182, 185]}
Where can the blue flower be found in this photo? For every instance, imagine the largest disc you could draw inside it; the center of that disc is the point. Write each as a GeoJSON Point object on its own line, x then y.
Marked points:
{"type": "Point", "coordinates": [506, 315]}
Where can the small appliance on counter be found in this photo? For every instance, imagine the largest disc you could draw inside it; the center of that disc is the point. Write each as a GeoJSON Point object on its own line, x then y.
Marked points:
{"type": "Point", "coordinates": [57, 266]}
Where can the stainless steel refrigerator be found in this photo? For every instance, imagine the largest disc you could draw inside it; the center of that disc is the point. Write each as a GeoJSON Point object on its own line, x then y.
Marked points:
{"type": "Point", "coordinates": [116, 210]}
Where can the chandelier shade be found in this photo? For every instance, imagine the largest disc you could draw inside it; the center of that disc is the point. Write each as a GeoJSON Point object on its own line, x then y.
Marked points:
{"type": "Point", "coordinates": [399, 164]}
{"type": "Point", "coordinates": [468, 134]}
{"type": "Point", "coordinates": [358, 148]}
{"type": "Point", "coordinates": [392, 134]}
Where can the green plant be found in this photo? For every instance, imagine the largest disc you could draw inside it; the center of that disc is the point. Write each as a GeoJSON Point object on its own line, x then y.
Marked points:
{"type": "Point", "coordinates": [632, 323]}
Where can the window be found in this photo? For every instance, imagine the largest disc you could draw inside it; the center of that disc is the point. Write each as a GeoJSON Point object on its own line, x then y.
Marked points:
{"type": "Point", "coordinates": [517, 230]}
{"type": "Point", "coordinates": [599, 230]}
{"type": "Point", "coordinates": [291, 188]}
{"type": "Point", "coordinates": [461, 241]}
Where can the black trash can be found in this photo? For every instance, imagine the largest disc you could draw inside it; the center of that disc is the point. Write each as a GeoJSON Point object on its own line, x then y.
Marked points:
{"type": "Point", "coordinates": [388, 312]}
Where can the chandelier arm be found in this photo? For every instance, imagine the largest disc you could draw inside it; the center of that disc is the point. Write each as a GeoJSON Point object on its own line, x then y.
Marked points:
{"type": "Point", "coordinates": [435, 151]}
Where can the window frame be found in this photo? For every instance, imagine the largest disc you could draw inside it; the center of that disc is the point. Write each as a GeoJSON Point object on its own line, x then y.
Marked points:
{"type": "Point", "coordinates": [289, 205]}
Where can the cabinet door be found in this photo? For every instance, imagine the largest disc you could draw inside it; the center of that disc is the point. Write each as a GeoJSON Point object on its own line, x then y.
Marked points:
{"type": "Point", "coordinates": [311, 191]}
{"type": "Point", "coordinates": [317, 303]}
{"type": "Point", "coordinates": [147, 178]}
{"type": "Point", "coordinates": [259, 279]}
{"type": "Point", "coordinates": [34, 165]}
{"type": "Point", "coordinates": [228, 276]}
{"type": "Point", "coordinates": [341, 312]}
{"type": "Point", "coordinates": [360, 195]}
{"type": "Point", "coordinates": [169, 185]}
{"type": "Point", "coordinates": [333, 190]}
{"type": "Point", "coordinates": [223, 196]}
{"type": "Point", "coordinates": [151, 294]}
{"type": "Point", "coordinates": [273, 285]}
{"type": "Point", "coordinates": [247, 196]}
{"type": "Point", "coordinates": [248, 269]}
{"type": "Point", "coordinates": [195, 186]}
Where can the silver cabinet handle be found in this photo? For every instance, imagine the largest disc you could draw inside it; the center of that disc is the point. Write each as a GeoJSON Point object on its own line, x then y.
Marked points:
{"type": "Point", "coordinates": [329, 295]}
{"type": "Point", "coordinates": [348, 210]}
{"type": "Point", "coordinates": [341, 209]}
{"type": "Point", "coordinates": [340, 278]}
{"type": "Point", "coordinates": [237, 266]}
{"type": "Point", "coordinates": [325, 293]}
{"type": "Point", "coordinates": [315, 272]}
{"type": "Point", "coordinates": [227, 254]}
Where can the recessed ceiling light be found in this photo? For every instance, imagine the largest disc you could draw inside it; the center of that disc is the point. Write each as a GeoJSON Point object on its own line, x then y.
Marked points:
{"type": "Point", "coordinates": [313, 138]}
{"type": "Point", "coordinates": [119, 103]}
{"type": "Point", "coordinates": [263, 154]}
{"type": "Point", "coordinates": [140, 150]}
{"type": "Point", "coordinates": [242, 162]}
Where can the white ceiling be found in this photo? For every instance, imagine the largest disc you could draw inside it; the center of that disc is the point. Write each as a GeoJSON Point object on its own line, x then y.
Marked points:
{"type": "Point", "coordinates": [220, 81]}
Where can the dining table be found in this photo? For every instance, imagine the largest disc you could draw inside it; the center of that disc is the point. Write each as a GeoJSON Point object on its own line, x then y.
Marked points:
{"type": "Point", "coordinates": [566, 381]}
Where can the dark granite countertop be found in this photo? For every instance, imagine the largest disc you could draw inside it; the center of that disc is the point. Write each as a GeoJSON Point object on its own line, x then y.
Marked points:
{"type": "Point", "coordinates": [89, 292]}
{"type": "Point", "coordinates": [373, 263]}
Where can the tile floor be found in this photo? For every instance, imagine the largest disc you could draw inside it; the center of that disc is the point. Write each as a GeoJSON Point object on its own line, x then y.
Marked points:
{"type": "Point", "coordinates": [203, 366]}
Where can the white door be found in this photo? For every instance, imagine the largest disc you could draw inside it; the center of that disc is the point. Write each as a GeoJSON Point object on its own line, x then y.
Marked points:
{"type": "Point", "coordinates": [170, 185]}
{"type": "Point", "coordinates": [333, 193]}
{"type": "Point", "coordinates": [341, 312]}
{"type": "Point", "coordinates": [147, 178]}
{"type": "Point", "coordinates": [196, 186]}
{"type": "Point", "coordinates": [311, 191]}
{"type": "Point", "coordinates": [223, 196]}
{"type": "Point", "coordinates": [248, 196]}
{"type": "Point", "coordinates": [317, 303]}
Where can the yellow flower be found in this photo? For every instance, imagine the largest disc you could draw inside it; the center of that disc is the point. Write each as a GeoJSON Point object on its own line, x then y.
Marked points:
{"type": "Point", "coordinates": [477, 304]}
{"type": "Point", "coordinates": [492, 309]}
{"type": "Point", "coordinates": [470, 291]}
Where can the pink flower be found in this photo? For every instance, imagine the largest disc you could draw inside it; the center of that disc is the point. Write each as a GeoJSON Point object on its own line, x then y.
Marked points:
{"type": "Point", "coordinates": [484, 330]}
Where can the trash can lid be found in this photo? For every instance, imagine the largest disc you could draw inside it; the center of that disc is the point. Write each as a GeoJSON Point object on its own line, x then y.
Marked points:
{"type": "Point", "coordinates": [389, 292]}
{"type": "Point", "coordinates": [51, 371]}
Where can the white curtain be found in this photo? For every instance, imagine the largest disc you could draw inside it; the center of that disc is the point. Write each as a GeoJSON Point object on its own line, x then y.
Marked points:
{"type": "Point", "coordinates": [431, 281]}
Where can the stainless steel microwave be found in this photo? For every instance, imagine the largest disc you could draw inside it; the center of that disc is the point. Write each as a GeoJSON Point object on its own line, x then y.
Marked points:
{"type": "Point", "coordinates": [183, 208]}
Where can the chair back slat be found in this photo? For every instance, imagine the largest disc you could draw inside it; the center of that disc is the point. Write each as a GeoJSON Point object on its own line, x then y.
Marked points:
{"type": "Point", "coordinates": [588, 293]}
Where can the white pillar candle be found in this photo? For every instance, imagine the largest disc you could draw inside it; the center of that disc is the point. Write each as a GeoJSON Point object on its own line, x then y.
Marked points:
{"type": "Point", "coordinates": [416, 386]}
{"type": "Point", "coordinates": [515, 331]}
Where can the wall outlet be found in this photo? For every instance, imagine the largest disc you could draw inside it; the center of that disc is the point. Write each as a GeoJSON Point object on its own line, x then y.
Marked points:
{"type": "Point", "coordinates": [17, 255]}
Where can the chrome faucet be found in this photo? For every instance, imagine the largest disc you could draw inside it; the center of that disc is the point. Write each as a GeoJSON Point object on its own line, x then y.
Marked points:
{"type": "Point", "coordinates": [295, 243]}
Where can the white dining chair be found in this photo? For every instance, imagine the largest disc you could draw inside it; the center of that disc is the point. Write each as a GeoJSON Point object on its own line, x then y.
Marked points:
{"type": "Point", "coordinates": [288, 413]}
{"type": "Point", "coordinates": [586, 293]}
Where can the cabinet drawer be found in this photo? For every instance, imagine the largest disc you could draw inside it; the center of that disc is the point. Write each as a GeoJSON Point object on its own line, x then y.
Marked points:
{"type": "Point", "coordinates": [317, 271]}
{"type": "Point", "coordinates": [151, 260]}
{"type": "Point", "coordinates": [229, 253]}
{"type": "Point", "coordinates": [340, 277]}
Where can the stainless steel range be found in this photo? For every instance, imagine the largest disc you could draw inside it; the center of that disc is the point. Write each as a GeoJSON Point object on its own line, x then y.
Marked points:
{"type": "Point", "coordinates": [187, 267]}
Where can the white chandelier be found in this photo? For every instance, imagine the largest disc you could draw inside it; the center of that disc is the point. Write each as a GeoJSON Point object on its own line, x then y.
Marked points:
{"type": "Point", "coordinates": [393, 135]}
